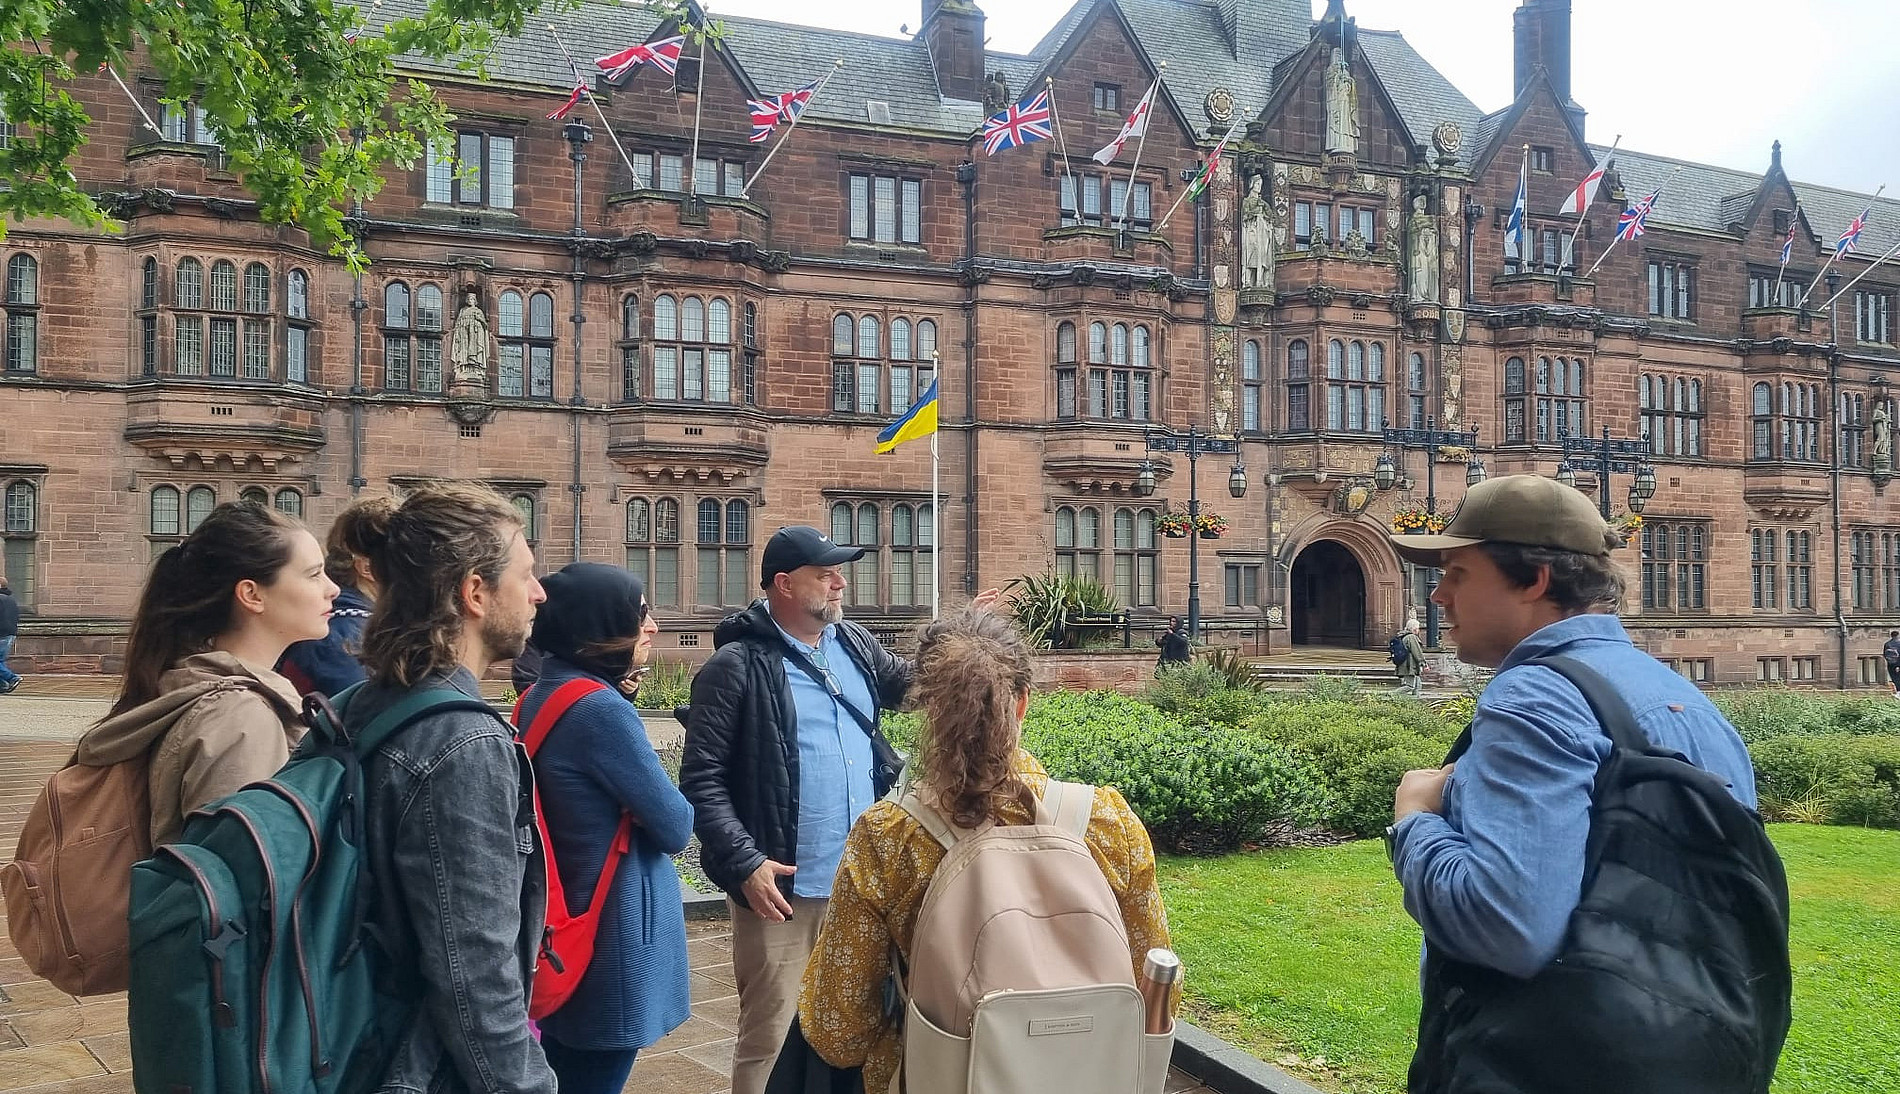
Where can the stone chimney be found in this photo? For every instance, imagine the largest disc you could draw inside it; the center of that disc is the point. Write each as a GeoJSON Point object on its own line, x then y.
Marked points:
{"type": "Point", "coordinates": [954, 31]}
{"type": "Point", "coordinates": [1230, 22]}
{"type": "Point", "coordinates": [1542, 40]}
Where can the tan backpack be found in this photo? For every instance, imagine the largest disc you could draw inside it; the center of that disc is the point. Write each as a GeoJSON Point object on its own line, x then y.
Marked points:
{"type": "Point", "coordinates": [69, 885]}
{"type": "Point", "coordinates": [1020, 978]}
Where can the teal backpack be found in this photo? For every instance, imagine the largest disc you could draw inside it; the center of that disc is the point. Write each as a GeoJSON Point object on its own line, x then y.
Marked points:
{"type": "Point", "coordinates": [253, 966]}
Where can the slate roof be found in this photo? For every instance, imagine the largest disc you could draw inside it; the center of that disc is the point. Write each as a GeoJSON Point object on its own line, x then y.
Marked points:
{"type": "Point", "coordinates": [1187, 34]}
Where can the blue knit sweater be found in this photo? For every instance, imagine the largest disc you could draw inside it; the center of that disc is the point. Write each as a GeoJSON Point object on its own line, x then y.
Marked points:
{"type": "Point", "coordinates": [596, 763]}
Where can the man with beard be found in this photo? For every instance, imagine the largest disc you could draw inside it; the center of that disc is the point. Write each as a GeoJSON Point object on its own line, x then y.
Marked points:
{"type": "Point", "coordinates": [783, 752]}
{"type": "Point", "coordinates": [460, 884]}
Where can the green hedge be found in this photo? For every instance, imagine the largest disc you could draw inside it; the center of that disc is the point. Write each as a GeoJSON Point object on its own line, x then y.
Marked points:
{"type": "Point", "coordinates": [1831, 778]}
{"type": "Point", "coordinates": [1357, 752]}
{"type": "Point", "coordinates": [1762, 713]}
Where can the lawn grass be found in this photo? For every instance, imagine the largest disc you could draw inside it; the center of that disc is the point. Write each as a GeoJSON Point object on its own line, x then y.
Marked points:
{"type": "Point", "coordinates": [1307, 959]}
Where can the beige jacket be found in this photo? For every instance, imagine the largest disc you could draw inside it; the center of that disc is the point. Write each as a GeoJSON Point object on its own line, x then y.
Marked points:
{"type": "Point", "coordinates": [217, 724]}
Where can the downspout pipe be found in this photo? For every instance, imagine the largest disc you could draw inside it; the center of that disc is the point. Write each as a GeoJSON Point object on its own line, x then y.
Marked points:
{"type": "Point", "coordinates": [357, 307]}
{"type": "Point", "coordinates": [1834, 474]}
{"type": "Point", "coordinates": [578, 135]}
{"type": "Point", "coordinates": [966, 177]}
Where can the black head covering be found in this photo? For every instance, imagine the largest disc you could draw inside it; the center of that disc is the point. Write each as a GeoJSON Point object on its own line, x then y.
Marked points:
{"type": "Point", "coordinates": [590, 603]}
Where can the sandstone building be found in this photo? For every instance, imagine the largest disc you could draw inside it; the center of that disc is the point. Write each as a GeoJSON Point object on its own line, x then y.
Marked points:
{"type": "Point", "coordinates": [688, 353]}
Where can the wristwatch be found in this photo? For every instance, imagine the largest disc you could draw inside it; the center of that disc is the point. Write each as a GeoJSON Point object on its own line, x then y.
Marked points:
{"type": "Point", "coordinates": [1392, 844]}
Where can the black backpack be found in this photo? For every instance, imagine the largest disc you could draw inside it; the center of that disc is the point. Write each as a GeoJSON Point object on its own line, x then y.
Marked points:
{"type": "Point", "coordinates": [1673, 977]}
{"type": "Point", "coordinates": [1396, 648]}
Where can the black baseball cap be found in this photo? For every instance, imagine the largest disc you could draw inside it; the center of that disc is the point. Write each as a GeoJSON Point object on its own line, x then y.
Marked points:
{"type": "Point", "coordinates": [799, 545]}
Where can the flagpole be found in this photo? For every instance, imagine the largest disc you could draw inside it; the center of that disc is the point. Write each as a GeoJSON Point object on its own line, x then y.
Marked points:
{"type": "Point", "coordinates": [1213, 159]}
{"type": "Point", "coordinates": [796, 118]}
{"type": "Point", "coordinates": [1839, 250]}
{"type": "Point", "coordinates": [699, 102]}
{"type": "Point", "coordinates": [1148, 100]}
{"type": "Point", "coordinates": [136, 105]}
{"type": "Point", "coordinates": [588, 91]}
{"type": "Point", "coordinates": [1075, 187]}
{"type": "Point", "coordinates": [1618, 238]}
{"type": "Point", "coordinates": [935, 520]}
{"type": "Point", "coordinates": [1787, 244]}
{"type": "Point", "coordinates": [1585, 211]}
{"type": "Point", "coordinates": [1870, 269]}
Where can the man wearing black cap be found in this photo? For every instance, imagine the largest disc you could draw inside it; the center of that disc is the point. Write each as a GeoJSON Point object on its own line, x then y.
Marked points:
{"type": "Point", "coordinates": [1491, 849]}
{"type": "Point", "coordinates": [783, 752]}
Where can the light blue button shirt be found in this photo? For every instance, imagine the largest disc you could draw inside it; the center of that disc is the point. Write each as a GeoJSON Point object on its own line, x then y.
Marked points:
{"type": "Point", "coordinates": [834, 758]}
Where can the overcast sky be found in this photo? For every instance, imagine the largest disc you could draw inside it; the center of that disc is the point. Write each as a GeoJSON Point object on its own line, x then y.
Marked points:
{"type": "Point", "coordinates": [1713, 81]}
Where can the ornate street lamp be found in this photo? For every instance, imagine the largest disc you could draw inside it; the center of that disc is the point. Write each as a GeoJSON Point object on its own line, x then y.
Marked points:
{"type": "Point", "coordinates": [1145, 480]}
{"type": "Point", "coordinates": [1384, 474]}
{"type": "Point", "coordinates": [1237, 480]}
{"type": "Point", "coordinates": [1474, 472]}
{"type": "Point", "coordinates": [1566, 474]}
{"type": "Point", "coordinates": [1643, 488]}
{"type": "Point", "coordinates": [1194, 444]}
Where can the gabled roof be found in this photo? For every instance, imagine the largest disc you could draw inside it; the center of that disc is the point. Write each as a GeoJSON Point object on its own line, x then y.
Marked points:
{"type": "Point", "coordinates": [1693, 197]}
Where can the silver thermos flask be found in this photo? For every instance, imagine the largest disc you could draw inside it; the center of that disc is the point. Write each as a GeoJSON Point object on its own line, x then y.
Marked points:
{"type": "Point", "coordinates": [1160, 985]}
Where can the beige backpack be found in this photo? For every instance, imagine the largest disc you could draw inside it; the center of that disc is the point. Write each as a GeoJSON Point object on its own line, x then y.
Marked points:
{"type": "Point", "coordinates": [1020, 978]}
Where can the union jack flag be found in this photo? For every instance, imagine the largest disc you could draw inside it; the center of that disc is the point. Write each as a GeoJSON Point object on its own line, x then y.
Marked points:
{"type": "Point", "coordinates": [561, 111]}
{"type": "Point", "coordinates": [1022, 123]}
{"type": "Point", "coordinates": [1634, 221]}
{"type": "Point", "coordinates": [664, 55]}
{"type": "Point", "coordinates": [773, 109]}
{"type": "Point", "coordinates": [1845, 245]}
{"type": "Point", "coordinates": [1787, 245]}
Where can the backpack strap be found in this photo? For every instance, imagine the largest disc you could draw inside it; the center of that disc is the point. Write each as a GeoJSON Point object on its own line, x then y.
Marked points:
{"type": "Point", "coordinates": [933, 822]}
{"type": "Point", "coordinates": [1067, 806]}
{"type": "Point", "coordinates": [551, 710]}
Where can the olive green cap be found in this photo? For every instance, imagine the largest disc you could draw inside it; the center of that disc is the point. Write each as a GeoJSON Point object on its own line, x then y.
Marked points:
{"type": "Point", "coordinates": [1530, 510]}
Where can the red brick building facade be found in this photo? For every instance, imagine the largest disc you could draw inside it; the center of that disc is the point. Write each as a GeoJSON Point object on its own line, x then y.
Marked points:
{"type": "Point", "coordinates": [688, 353]}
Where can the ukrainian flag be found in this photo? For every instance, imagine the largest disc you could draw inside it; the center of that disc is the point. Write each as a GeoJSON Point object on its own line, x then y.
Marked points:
{"type": "Point", "coordinates": [918, 421]}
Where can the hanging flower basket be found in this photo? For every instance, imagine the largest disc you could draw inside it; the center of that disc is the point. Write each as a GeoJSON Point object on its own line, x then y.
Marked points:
{"type": "Point", "coordinates": [1211, 525]}
{"type": "Point", "coordinates": [1627, 525]}
{"type": "Point", "coordinates": [1415, 520]}
{"type": "Point", "coordinates": [1173, 525]}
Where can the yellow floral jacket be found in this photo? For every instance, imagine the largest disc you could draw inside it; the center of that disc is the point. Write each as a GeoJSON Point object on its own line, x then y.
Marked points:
{"type": "Point", "coordinates": [888, 862]}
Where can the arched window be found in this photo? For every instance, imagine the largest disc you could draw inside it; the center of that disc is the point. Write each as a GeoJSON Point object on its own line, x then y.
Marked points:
{"type": "Point", "coordinates": [429, 307]}
{"type": "Point", "coordinates": [707, 528]}
{"type": "Point", "coordinates": [1135, 557]}
{"type": "Point", "coordinates": [863, 589]}
{"type": "Point", "coordinates": [257, 288]}
{"type": "Point", "coordinates": [541, 316]}
{"type": "Point", "coordinates": [148, 284]}
{"type": "Point", "coordinates": [188, 286]}
{"type": "Point", "coordinates": [926, 339]}
{"type": "Point", "coordinates": [666, 318]}
{"type": "Point", "coordinates": [724, 554]}
{"type": "Point", "coordinates": [396, 305]}
{"type": "Point", "coordinates": [1335, 360]}
{"type": "Point", "coordinates": [1375, 362]}
{"type": "Point", "coordinates": [1065, 344]}
{"type": "Point", "coordinates": [297, 293]}
{"type": "Point", "coordinates": [843, 330]}
{"type": "Point", "coordinates": [1079, 542]}
{"type": "Point", "coordinates": [630, 318]}
{"type": "Point", "coordinates": [1252, 396]}
{"type": "Point", "coordinates": [224, 294]}
{"type": "Point", "coordinates": [653, 554]}
{"type": "Point", "coordinates": [1299, 386]}
{"type": "Point", "coordinates": [1066, 406]}
{"type": "Point", "coordinates": [719, 322]}
{"type": "Point", "coordinates": [912, 557]}
{"type": "Point", "coordinates": [1118, 345]}
{"type": "Point", "coordinates": [1762, 406]}
{"type": "Point", "coordinates": [289, 502]}
{"type": "Point", "coordinates": [164, 511]}
{"type": "Point", "coordinates": [639, 521]}
{"type": "Point", "coordinates": [1356, 361]}
{"type": "Point", "coordinates": [199, 501]}
{"type": "Point", "coordinates": [868, 329]}
{"type": "Point", "coordinates": [738, 522]}
{"type": "Point", "coordinates": [22, 313]}
{"type": "Point", "coordinates": [1355, 399]}
{"type": "Point", "coordinates": [1515, 416]}
{"type": "Point", "coordinates": [1098, 343]}
{"type": "Point", "coordinates": [692, 320]}
{"type": "Point", "coordinates": [256, 495]}
{"type": "Point", "coordinates": [841, 525]}
{"type": "Point", "coordinates": [524, 507]}
{"type": "Point", "coordinates": [1144, 357]}
{"type": "Point", "coordinates": [508, 324]}
{"type": "Point", "coordinates": [900, 340]}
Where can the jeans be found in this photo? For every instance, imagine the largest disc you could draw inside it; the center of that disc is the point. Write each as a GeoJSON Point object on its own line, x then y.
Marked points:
{"type": "Point", "coordinates": [587, 1070]}
{"type": "Point", "coordinates": [7, 675]}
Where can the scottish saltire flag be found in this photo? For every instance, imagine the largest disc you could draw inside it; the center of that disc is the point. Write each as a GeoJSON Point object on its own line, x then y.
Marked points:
{"type": "Point", "coordinates": [773, 109]}
{"type": "Point", "coordinates": [1845, 245]}
{"type": "Point", "coordinates": [663, 55]}
{"type": "Point", "coordinates": [1022, 123]}
{"type": "Point", "coordinates": [1209, 168]}
{"type": "Point", "coordinates": [1135, 127]}
{"type": "Point", "coordinates": [919, 421]}
{"type": "Point", "coordinates": [1787, 245]}
{"type": "Point", "coordinates": [561, 111]}
{"type": "Point", "coordinates": [1635, 219]}
{"type": "Point", "coordinates": [1585, 193]}
{"type": "Point", "coordinates": [1514, 228]}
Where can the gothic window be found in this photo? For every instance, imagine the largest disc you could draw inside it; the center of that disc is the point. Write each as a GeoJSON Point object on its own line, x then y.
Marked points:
{"type": "Point", "coordinates": [692, 350]}
{"type": "Point", "coordinates": [23, 314]}
{"type": "Point", "coordinates": [1299, 417]}
{"type": "Point", "coordinates": [412, 338]}
{"type": "Point", "coordinates": [1137, 557]}
{"type": "Point", "coordinates": [653, 551]}
{"type": "Point", "coordinates": [1079, 542]}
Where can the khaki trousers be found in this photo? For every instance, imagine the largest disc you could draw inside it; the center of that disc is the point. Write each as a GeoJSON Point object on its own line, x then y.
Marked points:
{"type": "Point", "coordinates": [768, 961]}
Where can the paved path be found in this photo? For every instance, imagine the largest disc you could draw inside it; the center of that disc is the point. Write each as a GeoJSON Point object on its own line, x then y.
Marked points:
{"type": "Point", "coordinates": [51, 1043]}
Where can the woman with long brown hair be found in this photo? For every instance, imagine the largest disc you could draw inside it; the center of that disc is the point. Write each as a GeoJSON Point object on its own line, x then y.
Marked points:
{"type": "Point", "coordinates": [199, 693]}
{"type": "Point", "coordinates": [972, 684]}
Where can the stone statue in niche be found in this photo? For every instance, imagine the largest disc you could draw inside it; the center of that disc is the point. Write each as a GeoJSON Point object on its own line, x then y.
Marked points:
{"type": "Point", "coordinates": [1256, 238]}
{"type": "Point", "coordinates": [1342, 106]}
{"type": "Point", "coordinates": [469, 346]}
{"type": "Point", "coordinates": [995, 94]}
{"type": "Point", "coordinates": [1883, 438]}
{"type": "Point", "coordinates": [1422, 230]}
{"type": "Point", "coordinates": [1453, 380]}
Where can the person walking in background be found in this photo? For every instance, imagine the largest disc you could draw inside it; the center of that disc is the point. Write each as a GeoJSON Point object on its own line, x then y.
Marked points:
{"type": "Point", "coordinates": [1411, 668]}
{"type": "Point", "coordinates": [331, 663]}
{"type": "Point", "coordinates": [973, 676]}
{"type": "Point", "coordinates": [1175, 649]}
{"type": "Point", "coordinates": [198, 691]}
{"type": "Point", "coordinates": [593, 768]}
{"type": "Point", "coordinates": [9, 630]}
{"type": "Point", "coordinates": [1891, 654]}
{"type": "Point", "coordinates": [459, 876]}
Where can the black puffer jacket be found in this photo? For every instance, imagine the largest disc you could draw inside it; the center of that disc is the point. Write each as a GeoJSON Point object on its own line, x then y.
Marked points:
{"type": "Point", "coordinates": [740, 768]}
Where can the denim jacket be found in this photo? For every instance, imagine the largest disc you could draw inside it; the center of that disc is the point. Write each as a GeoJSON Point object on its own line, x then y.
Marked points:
{"type": "Point", "coordinates": [461, 893]}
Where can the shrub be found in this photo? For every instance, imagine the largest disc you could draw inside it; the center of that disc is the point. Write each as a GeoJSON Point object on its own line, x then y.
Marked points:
{"type": "Point", "coordinates": [1199, 788]}
{"type": "Point", "coordinates": [665, 685]}
{"type": "Point", "coordinates": [901, 730]}
{"type": "Point", "coordinates": [1042, 601]}
{"type": "Point", "coordinates": [1357, 752]}
{"type": "Point", "coordinates": [1834, 778]}
{"type": "Point", "coordinates": [1761, 713]}
{"type": "Point", "coordinates": [1200, 693]}
{"type": "Point", "coordinates": [1234, 667]}
{"type": "Point", "coordinates": [1331, 689]}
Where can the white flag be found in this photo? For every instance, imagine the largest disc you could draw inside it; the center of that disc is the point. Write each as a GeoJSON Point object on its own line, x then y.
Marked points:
{"type": "Point", "coordinates": [1133, 128]}
{"type": "Point", "coordinates": [1584, 194]}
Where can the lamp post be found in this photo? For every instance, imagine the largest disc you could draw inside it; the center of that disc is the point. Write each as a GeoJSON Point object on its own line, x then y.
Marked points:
{"type": "Point", "coordinates": [1603, 456]}
{"type": "Point", "coordinates": [1193, 443]}
{"type": "Point", "coordinates": [1385, 475]}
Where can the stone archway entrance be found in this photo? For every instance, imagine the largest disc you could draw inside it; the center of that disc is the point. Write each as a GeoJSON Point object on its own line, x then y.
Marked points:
{"type": "Point", "coordinates": [1328, 597]}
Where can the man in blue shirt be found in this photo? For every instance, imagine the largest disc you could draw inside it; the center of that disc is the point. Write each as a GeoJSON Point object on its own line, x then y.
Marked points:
{"type": "Point", "coordinates": [1490, 850]}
